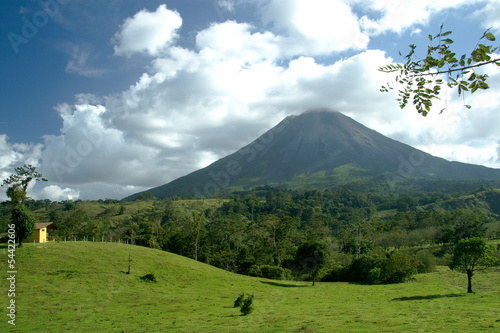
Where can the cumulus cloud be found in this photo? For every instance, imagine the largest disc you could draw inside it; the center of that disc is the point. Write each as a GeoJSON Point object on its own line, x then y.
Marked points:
{"type": "Point", "coordinates": [196, 105]}
{"type": "Point", "coordinates": [315, 27]}
{"type": "Point", "coordinates": [397, 16]}
{"type": "Point", "coordinates": [490, 15]}
{"type": "Point", "coordinates": [55, 193]}
{"type": "Point", "coordinates": [147, 32]}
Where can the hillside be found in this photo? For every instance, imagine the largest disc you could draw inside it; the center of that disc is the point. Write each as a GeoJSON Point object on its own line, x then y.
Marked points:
{"type": "Point", "coordinates": [323, 149]}
{"type": "Point", "coordinates": [78, 287]}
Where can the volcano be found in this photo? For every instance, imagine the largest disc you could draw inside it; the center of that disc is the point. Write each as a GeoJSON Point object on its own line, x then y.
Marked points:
{"type": "Point", "coordinates": [324, 149]}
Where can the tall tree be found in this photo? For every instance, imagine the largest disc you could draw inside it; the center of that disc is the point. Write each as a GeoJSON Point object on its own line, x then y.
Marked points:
{"type": "Point", "coordinates": [18, 183]}
{"type": "Point", "coordinates": [422, 79]}
{"type": "Point", "coordinates": [467, 255]}
{"type": "Point", "coordinates": [17, 187]}
{"type": "Point", "coordinates": [24, 222]}
{"type": "Point", "coordinates": [310, 259]}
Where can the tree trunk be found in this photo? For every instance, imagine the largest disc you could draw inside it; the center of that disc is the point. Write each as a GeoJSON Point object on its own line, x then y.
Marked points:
{"type": "Point", "coordinates": [469, 280]}
{"type": "Point", "coordinates": [20, 242]}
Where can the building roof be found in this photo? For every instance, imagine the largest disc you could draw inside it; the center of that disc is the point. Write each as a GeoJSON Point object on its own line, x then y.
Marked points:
{"type": "Point", "coordinates": [48, 225]}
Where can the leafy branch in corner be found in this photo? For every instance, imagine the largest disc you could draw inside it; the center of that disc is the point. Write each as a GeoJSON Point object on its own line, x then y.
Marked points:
{"type": "Point", "coordinates": [422, 79]}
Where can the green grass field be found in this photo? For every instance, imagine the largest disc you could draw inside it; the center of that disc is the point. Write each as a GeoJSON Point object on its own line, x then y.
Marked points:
{"type": "Point", "coordinates": [79, 287]}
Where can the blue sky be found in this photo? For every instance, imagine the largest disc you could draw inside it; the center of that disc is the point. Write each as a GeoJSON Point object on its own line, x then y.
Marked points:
{"type": "Point", "coordinates": [109, 98]}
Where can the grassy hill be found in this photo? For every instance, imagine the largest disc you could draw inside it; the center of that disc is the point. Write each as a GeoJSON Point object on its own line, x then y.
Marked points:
{"type": "Point", "coordinates": [79, 287]}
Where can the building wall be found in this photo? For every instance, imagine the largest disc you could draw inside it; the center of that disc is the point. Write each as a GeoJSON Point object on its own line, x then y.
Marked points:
{"type": "Point", "coordinates": [39, 236]}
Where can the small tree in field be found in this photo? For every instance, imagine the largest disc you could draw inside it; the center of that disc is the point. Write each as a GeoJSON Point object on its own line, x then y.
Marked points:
{"type": "Point", "coordinates": [310, 259]}
{"type": "Point", "coordinates": [467, 255]}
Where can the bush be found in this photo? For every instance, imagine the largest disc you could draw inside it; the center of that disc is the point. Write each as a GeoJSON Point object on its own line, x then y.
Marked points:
{"type": "Point", "coordinates": [267, 272]}
{"type": "Point", "coordinates": [149, 278]}
{"type": "Point", "coordinates": [239, 301]}
{"type": "Point", "coordinates": [426, 262]}
{"type": "Point", "coordinates": [399, 267]}
{"type": "Point", "coordinates": [244, 301]}
{"type": "Point", "coordinates": [374, 276]}
{"type": "Point", "coordinates": [360, 267]}
{"type": "Point", "coordinates": [247, 307]}
{"type": "Point", "coordinates": [379, 267]}
{"type": "Point", "coordinates": [335, 275]}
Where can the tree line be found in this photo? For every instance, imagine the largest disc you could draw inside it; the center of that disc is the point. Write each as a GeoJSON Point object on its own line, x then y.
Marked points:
{"type": "Point", "coordinates": [317, 235]}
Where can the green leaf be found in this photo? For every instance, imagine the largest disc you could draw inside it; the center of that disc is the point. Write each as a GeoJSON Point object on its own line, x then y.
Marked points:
{"type": "Point", "coordinates": [473, 87]}
{"type": "Point", "coordinates": [462, 60]}
{"type": "Point", "coordinates": [489, 36]}
{"type": "Point", "coordinates": [484, 85]}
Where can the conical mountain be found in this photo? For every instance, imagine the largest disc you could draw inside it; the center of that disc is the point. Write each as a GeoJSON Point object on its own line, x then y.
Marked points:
{"type": "Point", "coordinates": [325, 149]}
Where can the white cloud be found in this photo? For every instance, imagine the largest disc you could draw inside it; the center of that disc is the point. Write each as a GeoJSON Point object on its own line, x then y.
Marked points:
{"type": "Point", "coordinates": [485, 155]}
{"type": "Point", "coordinates": [147, 32]}
{"type": "Point", "coordinates": [397, 16]}
{"type": "Point", "coordinates": [315, 27]}
{"type": "Point", "coordinates": [194, 106]}
{"type": "Point", "coordinates": [55, 193]}
{"type": "Point", "coordinates": [490, 15]}
{"type": "Point", "coordinates": [226, 4]}
{"type": "Point", "coordinates": [78, 62]}
{"type": "Point", "coordinates": [235, 41]}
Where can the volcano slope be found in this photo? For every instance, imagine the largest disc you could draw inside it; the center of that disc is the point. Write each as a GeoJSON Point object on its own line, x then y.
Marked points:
{"type": "Point", "coordinates": [324, 149]}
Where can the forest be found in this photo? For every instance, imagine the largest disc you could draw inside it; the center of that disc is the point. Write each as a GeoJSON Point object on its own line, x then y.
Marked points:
{"type": "Point", "coordinates": [313, 235]}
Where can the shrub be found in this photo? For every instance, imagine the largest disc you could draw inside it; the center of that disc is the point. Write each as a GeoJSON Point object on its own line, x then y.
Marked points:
{"type": "Point", "coordinates": [374, 276]}
{"type": "Point", "coordinates": [337, 274]}
{"type": "Point", "coordinates": [400, 266]}
{"type": "Point", "coordinates": [426, 262]}
{"type": "Point", "coordinates": [267, 272]}
{"type": "Point", "coordinates": [244, 301]}
{"type": "Point", "coordinates": [247, 307]}
{"type": "Point", "coordinates": [239, 301]}
{"type": "Point", "coordinates": [378, 267]}
{"type": "Point", "coordinates": [149, 278]}
{"type": "Point", "coordinates": [360, 267]}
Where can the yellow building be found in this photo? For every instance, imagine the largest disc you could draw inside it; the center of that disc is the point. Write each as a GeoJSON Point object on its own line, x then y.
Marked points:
{"type": "Point", "coordinates": [41, 232]}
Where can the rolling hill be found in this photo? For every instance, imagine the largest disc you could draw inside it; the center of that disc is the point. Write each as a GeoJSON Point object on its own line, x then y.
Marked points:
{"type": "Point", "coordinates": [79, 287]}
{"type": "Point", "coordinates": [325, 149]}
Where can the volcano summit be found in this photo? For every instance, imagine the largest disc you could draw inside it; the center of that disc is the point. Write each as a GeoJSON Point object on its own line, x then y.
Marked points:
{"type": "Point", "coordinates": [324, 149]}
